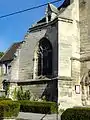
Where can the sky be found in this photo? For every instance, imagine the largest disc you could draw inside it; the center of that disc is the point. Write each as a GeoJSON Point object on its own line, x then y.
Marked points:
{"type": "Point", "coordinates": [14, 28]}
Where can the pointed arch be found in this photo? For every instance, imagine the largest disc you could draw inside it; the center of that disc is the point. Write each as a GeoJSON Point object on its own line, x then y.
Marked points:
{"type": "Point", "coordinates": [45, 58]}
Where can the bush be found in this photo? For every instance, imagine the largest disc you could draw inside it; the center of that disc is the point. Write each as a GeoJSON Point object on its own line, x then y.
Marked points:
{"type": "Point", "coordinates": [3, 98]}
{"type": "Point", "coordinates": [23, 95]}
{"type": "Point", "coordinates": [76, 114]}
{"type": "Point", "coordinates": [37, 107]}
{"type": "Point", "coordinates": [9, 108]}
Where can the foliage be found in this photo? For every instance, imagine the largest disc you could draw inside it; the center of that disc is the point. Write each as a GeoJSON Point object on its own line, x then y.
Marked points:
{"type": "Point", "coordinates": [37, 107]}
{"type": "Point", "coordinates": [4, 98]}
{"type": "Point", "coordinates": [44, 98]}
{"type": "Point", "coordinates": [61, 110]}
{"type": "Point", "coordinates": [1, 54]}
{"type": "Point", "coordinates": [23, 95]}
{"type": "Point", "coordinates": [9, 109]}
{"type": "Point", "coordinates": [27, 95]}
{"type": "Point", "coordinates": [76, 114]}
{"type": "Point", "coordinates": [7, 89]}
{"type": "Point", "coordinates": [14, 94]}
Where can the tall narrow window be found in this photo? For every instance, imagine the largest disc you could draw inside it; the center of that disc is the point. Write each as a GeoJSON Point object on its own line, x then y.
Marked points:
{"type": "Point", "coordinates": [4, 68]}
{"type": "Point", "coordinates": [45, 58]}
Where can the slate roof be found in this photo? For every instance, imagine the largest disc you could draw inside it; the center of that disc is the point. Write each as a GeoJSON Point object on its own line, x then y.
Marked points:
{"type": "Point", "coordinates": [42, 20]}
{"type": "Point", "coordinates": [9, 54]}
{"type": "Point", "coordinates": [64, 4]}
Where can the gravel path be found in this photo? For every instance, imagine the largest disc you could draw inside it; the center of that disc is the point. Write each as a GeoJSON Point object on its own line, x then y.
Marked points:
{"type": "Point", "coordinates": [35, 116]}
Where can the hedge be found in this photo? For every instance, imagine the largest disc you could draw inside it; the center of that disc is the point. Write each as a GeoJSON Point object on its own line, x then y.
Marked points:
{"type": "Point", "coordinates": [3, 98]}
{"type": "Point", "coordinates": [37, 107]}
{"type": "Point", "coordinates": [82, 113]}
{"type": "Point", "coordinates": [9, 109]}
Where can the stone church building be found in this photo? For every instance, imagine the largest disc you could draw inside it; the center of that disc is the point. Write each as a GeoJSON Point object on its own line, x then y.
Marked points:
{"type": "Point", "coordinates": [54, 58]}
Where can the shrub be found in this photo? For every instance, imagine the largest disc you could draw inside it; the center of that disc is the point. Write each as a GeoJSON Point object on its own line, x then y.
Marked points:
{"type": "Point", "coordinates": [23, 95]}
{"type": "Point", "coordinates": [37, 107]}
{"type": "Point", "coordinates": [9, 108]}
{"type": "Point", "coordinates": [3, 98]}
{"type": "Point", "coordinates": [76, 114]}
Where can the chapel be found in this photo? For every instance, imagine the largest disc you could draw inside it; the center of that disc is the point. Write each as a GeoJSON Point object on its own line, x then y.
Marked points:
{"type": "Point", "coordinates": [53, 60]}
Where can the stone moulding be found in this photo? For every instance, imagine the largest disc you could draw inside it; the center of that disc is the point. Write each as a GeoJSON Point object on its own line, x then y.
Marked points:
{"type": "Point", "coordinates": [65, 78]}
{"type": "Point", "coordinates": [82, 59]}
{"type": "Point", "coordinates": [74, 58]}
{"type": "Point", "coordinates": [31, 81]}
{"type": "Point", "coordinates": [44, 25]}
{"type": "Point", "coordinates": [65, 20]}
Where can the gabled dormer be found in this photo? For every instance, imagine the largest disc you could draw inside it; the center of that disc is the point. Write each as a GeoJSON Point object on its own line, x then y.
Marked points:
{"type": "Point", "coordinates": [51, 12]}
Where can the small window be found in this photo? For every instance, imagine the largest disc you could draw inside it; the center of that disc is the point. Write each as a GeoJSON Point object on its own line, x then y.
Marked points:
{"type": "Point", "coordinates": [49, 17]}
{"type": "Point", "coordinates": [77, 89]}
{"type": "Point", "coordinates": [4, 68]}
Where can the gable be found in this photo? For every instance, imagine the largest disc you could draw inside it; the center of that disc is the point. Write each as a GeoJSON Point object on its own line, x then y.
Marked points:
{"type": "Point", "coordinates": [9, 55]}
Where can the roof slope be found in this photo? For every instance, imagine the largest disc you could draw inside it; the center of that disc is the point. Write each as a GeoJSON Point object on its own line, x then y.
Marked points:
{"type": "Point", "coordinates": [53, 8]}
{"type": "Point", "coordinates": [65, 4]}
{"type": "Point", "coordinates": [9, 55]}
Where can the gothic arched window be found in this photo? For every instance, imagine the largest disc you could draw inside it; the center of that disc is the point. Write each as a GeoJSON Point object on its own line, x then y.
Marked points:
{"type": "Point", "coordinates": [45, 58]}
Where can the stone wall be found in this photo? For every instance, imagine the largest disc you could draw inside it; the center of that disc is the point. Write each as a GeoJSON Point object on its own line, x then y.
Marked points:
{"type": "Point", "coordinates": [67, 96]}
{"type": "Point", "coordinates": [37, 90]}
{"type": "Point", "coordinates": [64, 93]}
{"type": "Point", "coordinates": [65, 39]}
{"type": "Point", "coordinates": [49, 90]}
{"type": "Point", "coordinates": [84, 35]}
{"type": "Point", "coordinates": [27, 50]}
{"type": "Point", "coordinates": [14, 71]}
{"type": "Point", "coordinates": [27, 54]}
{"type": "Point", "coordinates": [69, 57]}
{"type": "Point", "coordinates": [22, 65]}
{"type": "Point", "coordinates": [75, 72]}
{"type": "Point", "coordinates": [84, 43]}
{"type": "Point", "coordinates": [80, 62]}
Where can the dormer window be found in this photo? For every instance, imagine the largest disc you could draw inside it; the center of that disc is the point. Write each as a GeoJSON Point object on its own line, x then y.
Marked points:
{"type": "Point", "coordinates": [49, 17]}
{"type": "Point", "coordinates": [51, 12]}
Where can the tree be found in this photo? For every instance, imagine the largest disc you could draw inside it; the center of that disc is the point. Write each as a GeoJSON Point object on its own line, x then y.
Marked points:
{"type": "Point", "coordinates": [1, 54]}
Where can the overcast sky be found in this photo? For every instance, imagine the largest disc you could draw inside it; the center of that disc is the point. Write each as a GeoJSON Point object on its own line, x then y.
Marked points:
{"type": "Point", "coordinates": [13, 28]}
